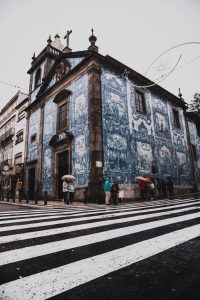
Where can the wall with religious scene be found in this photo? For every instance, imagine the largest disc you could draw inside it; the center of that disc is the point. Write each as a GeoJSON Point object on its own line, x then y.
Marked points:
{"type": "Point", "coordinates": [78, 126]}
{"type": "Point", "coordinates": [195, 140]}
{"type": "Point", "coordinates": [132, 140]}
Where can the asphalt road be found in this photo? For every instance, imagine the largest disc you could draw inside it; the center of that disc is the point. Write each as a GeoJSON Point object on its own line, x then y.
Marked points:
{"type": "Point", "coordinates": [146, 250]}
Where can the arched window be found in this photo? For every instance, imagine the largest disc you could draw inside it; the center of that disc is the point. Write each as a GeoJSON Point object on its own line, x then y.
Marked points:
{"type": "Point", "coordinates": [37, 78]}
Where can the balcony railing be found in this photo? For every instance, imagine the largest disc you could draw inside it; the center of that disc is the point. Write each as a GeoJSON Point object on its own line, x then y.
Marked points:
{"type": "Point", "coordinates": [7, 135]}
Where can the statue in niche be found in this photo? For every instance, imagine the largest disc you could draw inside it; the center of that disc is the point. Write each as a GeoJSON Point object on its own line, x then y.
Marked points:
{"type": "Point", "coordinates": [60, 70]}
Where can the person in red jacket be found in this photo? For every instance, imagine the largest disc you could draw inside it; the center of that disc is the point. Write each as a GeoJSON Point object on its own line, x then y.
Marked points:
{"type": "Point", "coordinates": [143, 189]}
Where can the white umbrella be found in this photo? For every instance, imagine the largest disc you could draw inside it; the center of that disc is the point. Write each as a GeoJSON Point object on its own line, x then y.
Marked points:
{"type": "Point", "coordinates": [68, 177]}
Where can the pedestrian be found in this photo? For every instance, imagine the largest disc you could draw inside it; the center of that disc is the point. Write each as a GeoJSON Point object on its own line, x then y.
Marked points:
{"type": "Point", "coordinates": [115, 192]}
{"type": "Point", "coordinates": [70, 189]}
{"type": "Point", "coordinates": [159, 187]}
{"type": "Point", "coordinates": [65, 191]}
{"type": "Point", "coordinates": [164, 188]}
{"type": "Point", "coordinates": [120, 196]}
{"type": "Point", "coordinates": [170, 187]}
{"type": "Point", "coordinates": [143, 189]}
{"type": "Point", "coordinates": [107, 189]}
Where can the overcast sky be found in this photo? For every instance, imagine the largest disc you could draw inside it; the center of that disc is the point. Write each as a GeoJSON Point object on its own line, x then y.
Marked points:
{"type": "Point", "coordinates": [134, 32]}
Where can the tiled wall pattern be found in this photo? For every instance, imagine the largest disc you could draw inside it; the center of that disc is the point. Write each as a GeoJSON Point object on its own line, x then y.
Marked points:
{"type": "Point", "coordinates": [133, 140]}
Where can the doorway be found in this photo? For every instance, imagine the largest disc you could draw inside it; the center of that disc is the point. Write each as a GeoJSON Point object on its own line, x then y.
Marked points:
{"type": "Point", "coordinates": [31, 183]}
{"type": "Point", "coordinates": [63, 169]}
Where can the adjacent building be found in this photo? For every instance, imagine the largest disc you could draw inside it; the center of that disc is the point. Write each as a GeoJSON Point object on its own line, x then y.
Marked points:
{"type": "Point", "coordinates": [12, 139]}
{"type": "Point", "coordinates": [92, 116]}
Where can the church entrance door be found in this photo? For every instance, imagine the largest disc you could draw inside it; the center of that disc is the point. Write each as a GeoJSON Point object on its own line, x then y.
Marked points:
{"type": "Point", "coordinates": [63, 169]}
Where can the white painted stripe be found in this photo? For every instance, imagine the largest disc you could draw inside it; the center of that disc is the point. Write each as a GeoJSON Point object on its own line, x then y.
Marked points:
{"type": "Point", "coordinates": [71, 220]}
{"type": "Point", "coordinates": [54, 231]}
{"type": "Point", "coordinates": [100, 215]}
{"type": "Point", "coordinates": [53, 247]}
{"type": "Point", "coordinates": [58, 280]}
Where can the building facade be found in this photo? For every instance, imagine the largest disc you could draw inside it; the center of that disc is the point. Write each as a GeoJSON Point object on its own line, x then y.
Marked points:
{"type": "Point", "coordinates": [88, 118]}
{"type": "Point", "coordinates": [12, 140]}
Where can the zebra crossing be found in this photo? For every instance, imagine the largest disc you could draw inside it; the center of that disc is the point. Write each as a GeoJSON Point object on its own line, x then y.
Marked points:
{"type": "Point", "coordinates": [52, 253]}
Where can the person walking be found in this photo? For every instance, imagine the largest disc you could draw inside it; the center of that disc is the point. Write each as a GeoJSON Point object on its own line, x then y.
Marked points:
{"type": "Point", "coordinates": [170, 187]}
{"type": "Point", "coordinates": [120, 196]}
{"type": "Point", "coordinates": [65, 191]}
{"type": "Point", "coordinates": [115, 192]}
{"type": "Point", "coordinates": [164, 188]}
{"type": "Point", "coordinates": [107, 190]}
{"type": "Point", "coordinates": [143, 189]}
{"type": "Point", "coordinates": [68, 191]}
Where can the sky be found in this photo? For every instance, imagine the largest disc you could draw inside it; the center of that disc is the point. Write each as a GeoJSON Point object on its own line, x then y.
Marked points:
{"type": "Point", "coordinates": [135, 32]}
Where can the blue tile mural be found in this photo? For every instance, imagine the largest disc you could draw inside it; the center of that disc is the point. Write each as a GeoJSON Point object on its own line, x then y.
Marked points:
{"type": "Point", "coordinates": [78, 115]}
{"type": "Point", "coordinates": [72, 63]}
{"type": "Point", "coordinates": [132, 140]}
{"type": "Point", "coordinates": [34, 128]}
{"type": "Point", "coordinates": [195, 140]}
{"type": "Point", "coordinates": [79, 128]}
{"type": "Point", "coordinates": [47, 159]}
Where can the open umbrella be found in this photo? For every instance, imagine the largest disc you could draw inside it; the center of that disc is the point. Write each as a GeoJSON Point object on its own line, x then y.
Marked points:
{"type": "Point", "coordinates": [68, 177]}
{"type": "Point", "coordinates": [142, 178]}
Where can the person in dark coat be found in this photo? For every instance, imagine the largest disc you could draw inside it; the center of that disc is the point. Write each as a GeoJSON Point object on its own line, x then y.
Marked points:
{"type": "Point", "coordinates": [114, 192]}
{"type": "Point", "coordinates": [170, 187]}
{"type": "Point", "coordinates": [164, 188]}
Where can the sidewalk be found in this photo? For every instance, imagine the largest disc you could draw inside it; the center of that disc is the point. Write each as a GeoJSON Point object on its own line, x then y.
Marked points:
{"type": "Point", "coordinates": [60, 204]}
{"type": "Point", "coordinates": [51, 204]}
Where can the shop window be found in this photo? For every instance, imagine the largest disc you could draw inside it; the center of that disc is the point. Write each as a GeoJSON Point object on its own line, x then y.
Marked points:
{"type": "Point", "coordinates": [140, 102]}
{"type": "Point", "coordinates": [176, 118]}
{"type": "Point", "coordinates": [19, 137]}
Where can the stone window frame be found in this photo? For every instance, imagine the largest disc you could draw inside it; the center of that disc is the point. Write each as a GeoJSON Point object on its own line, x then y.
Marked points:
{"type": "Point", "coordinates": [21, 114]}
{"type": "Point", "coordinates": [17, 156]}
{"type": "Point", "coordinates": [61, 99]}
{"type": "Point", "coordinates": [19, 137]}
{"type": "Point", "coordinates": [140, 102]}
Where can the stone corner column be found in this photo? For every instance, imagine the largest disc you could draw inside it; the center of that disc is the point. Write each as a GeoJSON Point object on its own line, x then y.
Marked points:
{"type": "Point", "coordinates": [95, 185]}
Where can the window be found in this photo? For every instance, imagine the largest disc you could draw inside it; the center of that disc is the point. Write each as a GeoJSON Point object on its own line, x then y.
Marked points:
{"type": "Point", "coordinates": [19, 137]}
{"type": "Point", "coordinates": [63, 116]}
{"type": "Point", "coordinates": [33, 138]}
{"type": "Point", "coordinates": [18, 159]}
{"type": "Point", "coordinates": [21, 115]}
{"type": "Point", "coordinates": [37, 78]}
{"type": "Point", "coordinates": [140, 102]}
{"type": "Point", "coordinates": [176, 118]}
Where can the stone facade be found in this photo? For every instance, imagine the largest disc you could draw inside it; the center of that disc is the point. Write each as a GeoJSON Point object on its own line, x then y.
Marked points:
{"type": "Point", "coordinates": [105, 134]}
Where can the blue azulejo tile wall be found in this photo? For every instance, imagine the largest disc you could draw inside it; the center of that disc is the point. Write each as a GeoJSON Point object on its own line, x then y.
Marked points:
{"type": "Point", "coordinates": [78, 126]}
{"type": "Point", "coordinates": [133, 140]}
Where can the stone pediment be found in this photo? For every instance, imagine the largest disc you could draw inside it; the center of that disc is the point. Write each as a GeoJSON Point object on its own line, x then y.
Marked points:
{"type": "Point", "coordinates": [64, 137]}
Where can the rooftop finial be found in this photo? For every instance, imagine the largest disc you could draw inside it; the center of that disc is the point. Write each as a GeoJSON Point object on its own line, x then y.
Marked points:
{"type": "Point", "coordinates": [93, 40]}
{"type": "Point", "coordinates": [67, 37]}
{"type": "Point", "coordinates": [49, 40]}
{"type": "Point", "coordinates": [180, 95]}
{"type": "Point", "coordinates": [33, 57]}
